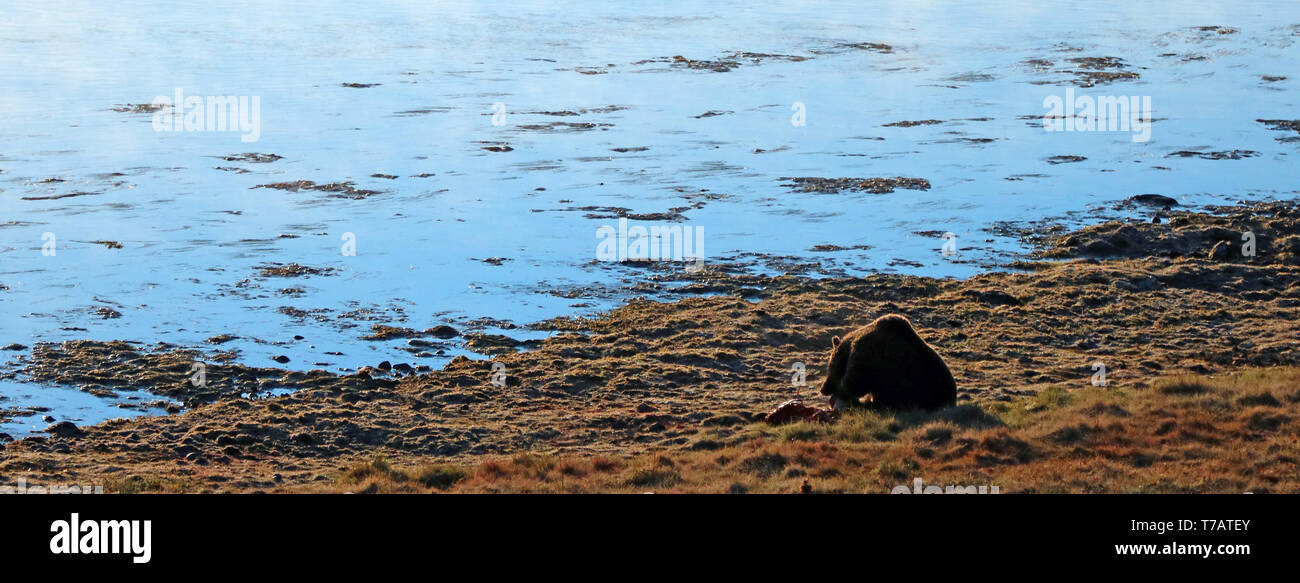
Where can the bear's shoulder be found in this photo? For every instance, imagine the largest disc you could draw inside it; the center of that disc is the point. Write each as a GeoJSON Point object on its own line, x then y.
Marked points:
{"type": "Point", "coordinates": [889, 325]}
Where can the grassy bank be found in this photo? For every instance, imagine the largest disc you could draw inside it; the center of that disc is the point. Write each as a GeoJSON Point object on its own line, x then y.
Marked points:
{"type": "Point", "coordinates": [1231, 434]}
{"type": "Point", "coordinates": [1199, 347]}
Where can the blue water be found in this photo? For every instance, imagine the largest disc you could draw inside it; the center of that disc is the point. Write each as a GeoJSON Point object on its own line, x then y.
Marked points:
{"type": "Point", "coordinates": [191, 233]}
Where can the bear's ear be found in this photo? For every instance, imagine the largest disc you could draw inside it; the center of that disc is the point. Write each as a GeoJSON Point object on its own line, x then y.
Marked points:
{"type": "Point", "coordinates": [835, 341]}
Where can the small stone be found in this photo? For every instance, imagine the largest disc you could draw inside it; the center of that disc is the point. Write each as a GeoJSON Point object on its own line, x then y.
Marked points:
{"type": "Point", "coordinates": [48, 418]}
{"type": "Point", "coordinates": [14, 346]}
{"type": "Point", "coordinates": [385, 366]}
{"type": "Point", "coordinates": [282, 359]}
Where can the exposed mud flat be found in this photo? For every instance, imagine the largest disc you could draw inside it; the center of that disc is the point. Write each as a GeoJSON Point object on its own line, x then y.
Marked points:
{"type": "Point", "coordinates": [869, 185]}
{"type": "Point", "coordinates": [252, 157]}
{"type": "Point", "coordinates": [724, 63]}
{"type": "Point", "coordinates": [1282, 125]}
{"type": "Point", "coordinates": [1270, 229]}
{"type": "Point", "coordinates": [292, 270]}
{"type": "Point", "coordinates": [140, 108]}
{"type": "Point", "coordinates": [697, 373]}
{"type": "Point", "coordinates": [562, 126]}
{"type": "Point", "coordinates": [162, 370]}
{"type": "Point", "coordinates": [1084, 71]}
{"type": "Point", "coordinates": [733, 60]}
{"type": "Point", "coordinates": [345, 189]}
{"type": "Point", "coordinates": [1215, 155]}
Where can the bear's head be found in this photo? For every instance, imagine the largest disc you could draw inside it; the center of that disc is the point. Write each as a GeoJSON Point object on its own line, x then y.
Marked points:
{"type": "Point", "coordinates": [834, 368]}
{"type": "Point", "coordinates": [858, 361]}
{"type": "Point", "coordinates": [838, 382]}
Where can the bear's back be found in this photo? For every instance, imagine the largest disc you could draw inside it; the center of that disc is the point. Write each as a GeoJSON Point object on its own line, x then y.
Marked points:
{"type": "Point", "coordinates": [903, 370]}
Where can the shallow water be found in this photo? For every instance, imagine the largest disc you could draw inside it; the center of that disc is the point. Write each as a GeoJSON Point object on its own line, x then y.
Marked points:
{"type": "Point", "coordinates": [193, 235]}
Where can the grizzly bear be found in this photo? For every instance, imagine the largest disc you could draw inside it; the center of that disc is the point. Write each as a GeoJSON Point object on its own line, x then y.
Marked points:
{"type": "Point", "coordinates": [888, 361]}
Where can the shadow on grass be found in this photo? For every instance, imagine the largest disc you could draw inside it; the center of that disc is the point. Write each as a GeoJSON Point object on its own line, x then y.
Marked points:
{"type": "Point", "coordinates": [966, 416]}
{"type": "Point", "coordinates": [876, 425]}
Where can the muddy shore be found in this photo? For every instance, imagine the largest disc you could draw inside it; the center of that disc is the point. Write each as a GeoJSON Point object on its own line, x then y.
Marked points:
{"type": "Point", "coordinates": [1171, 296]}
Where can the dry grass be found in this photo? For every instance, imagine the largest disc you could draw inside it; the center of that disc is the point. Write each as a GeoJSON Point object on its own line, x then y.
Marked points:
{"type": "Point", "coordinates": [1185, 434]}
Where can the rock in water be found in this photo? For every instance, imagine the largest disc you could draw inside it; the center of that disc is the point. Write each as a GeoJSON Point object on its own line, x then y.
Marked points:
{"type": "Point", "coordinates": [1156, 200]}
{"type": "Point", "coordinates": [889, 362]}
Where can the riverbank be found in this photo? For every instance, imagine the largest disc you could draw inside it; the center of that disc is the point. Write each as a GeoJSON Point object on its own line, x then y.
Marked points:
{"type": "Point", "coordinates": [1195, 339]}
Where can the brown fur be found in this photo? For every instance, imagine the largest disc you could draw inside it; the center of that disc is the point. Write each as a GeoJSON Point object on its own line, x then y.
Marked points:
{"type": "Point", "coordinates": [888, 361]}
